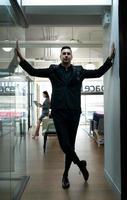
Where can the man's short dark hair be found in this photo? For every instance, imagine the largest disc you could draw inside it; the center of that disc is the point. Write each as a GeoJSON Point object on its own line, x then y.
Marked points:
{"type": "Point", "coordinates": [65, 47]}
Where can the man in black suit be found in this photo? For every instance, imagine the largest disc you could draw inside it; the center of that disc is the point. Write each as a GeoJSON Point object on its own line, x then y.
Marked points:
{"type": "Point", "coordinates": [66, 80]}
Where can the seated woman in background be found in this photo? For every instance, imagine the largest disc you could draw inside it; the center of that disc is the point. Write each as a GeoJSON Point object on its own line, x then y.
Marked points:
{"type": "Point", "coordinates": [45, 112]}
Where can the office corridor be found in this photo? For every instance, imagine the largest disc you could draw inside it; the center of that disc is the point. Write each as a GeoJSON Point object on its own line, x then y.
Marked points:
{"type": "Point", "coordinates": [46, 171]}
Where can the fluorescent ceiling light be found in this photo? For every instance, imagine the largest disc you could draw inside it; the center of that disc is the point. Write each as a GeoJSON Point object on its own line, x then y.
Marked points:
{"type": "Point", "coordinates": [7, 49]}
{"type": "Point", "coordinates": [90, 66]}
{"type": "Point", "coordinates": [65, 2]}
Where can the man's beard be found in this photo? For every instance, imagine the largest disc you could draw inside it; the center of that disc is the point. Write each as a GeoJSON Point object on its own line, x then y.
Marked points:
{"type": "Point", "coordinates": [66, 62]}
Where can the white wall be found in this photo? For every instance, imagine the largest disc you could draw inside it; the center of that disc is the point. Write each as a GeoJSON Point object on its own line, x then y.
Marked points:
{"type": "Point", "coordinates": [112, 106]}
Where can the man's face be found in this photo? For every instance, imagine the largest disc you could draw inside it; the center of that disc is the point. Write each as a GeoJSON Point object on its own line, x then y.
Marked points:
{"type": "Point", "coordinates": [66, 56]}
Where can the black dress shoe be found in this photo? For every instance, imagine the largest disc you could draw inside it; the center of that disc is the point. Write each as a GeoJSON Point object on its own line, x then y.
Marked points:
{"type": "Point", "coordinates": [65, 182]}
{"type": "Point", "coordinates": [83, 169]}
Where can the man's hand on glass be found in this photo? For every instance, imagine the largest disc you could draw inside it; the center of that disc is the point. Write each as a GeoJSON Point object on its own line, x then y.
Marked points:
{"type": "Point", "coordinates": [18, 52]}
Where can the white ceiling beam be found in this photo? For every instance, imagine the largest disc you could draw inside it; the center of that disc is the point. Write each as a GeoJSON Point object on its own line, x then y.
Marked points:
{"type": "Point", "coordinates": [65, 2]}
{"type": "Point", "coordinates": [52, 44]}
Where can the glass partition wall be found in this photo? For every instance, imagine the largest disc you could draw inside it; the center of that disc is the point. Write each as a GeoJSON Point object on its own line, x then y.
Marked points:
{"type": "Point", "coordinates": [13, 115]}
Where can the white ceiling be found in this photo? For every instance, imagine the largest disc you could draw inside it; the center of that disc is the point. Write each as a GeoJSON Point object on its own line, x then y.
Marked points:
{"type": "Point", "coordinates": [52, 27]}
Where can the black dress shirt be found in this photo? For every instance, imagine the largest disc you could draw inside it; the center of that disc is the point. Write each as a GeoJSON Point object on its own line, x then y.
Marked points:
{"type": "Point", "coordinates": [66, 84]}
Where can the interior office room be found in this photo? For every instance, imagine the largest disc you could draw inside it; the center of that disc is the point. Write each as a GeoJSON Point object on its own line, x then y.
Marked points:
{"type": "Point", "coordinates": [42, 28]}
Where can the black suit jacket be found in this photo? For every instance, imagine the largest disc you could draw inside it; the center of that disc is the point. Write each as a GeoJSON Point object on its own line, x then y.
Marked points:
{"type": "Point", "coordinates": [66, 85]}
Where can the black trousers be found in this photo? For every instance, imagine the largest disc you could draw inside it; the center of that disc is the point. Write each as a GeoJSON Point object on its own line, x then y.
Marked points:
{"type": "Point", "coordinates": [66, 124]}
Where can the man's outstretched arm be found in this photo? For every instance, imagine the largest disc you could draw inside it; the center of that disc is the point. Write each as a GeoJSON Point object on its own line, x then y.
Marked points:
{"type": "Point", "coordinates": [96, 73]}
{"type": "Point", "coordinates": [29, 68]}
